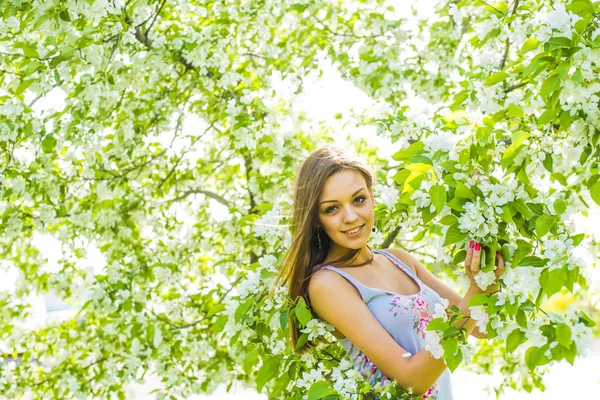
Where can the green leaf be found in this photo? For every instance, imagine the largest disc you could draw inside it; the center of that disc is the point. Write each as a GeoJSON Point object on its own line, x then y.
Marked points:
{"type": "Point", "coordinates": [449, 219]}
{"type": "Point", "coordinates": [302, 312]}
{"type": "Point", "coordinates": [454, 235]}
{"type": "Point", "coordinates": [215, 309]}
{"type": "Point", "coordinates": [560, 206]}
{"type": "Point", "coordinates": [552, 281]}
{"type": "Point", "coordinates": [478, 300]}
{"type": "Point", "coordinates": [437, 324]}
{"type": "Point", "coordinates": [463, 191]}
{"type": "Point", "coordinates": [584, 319]}
{"type": "Point", "coordinates": [532, 261]}
{"type": "Point", "coordinates": [563, 335]}
{"type": "Point", "coordinates": [250, 360]}
{"type": "Point", "coordinates": [409, 152]}
{"type": "Point", "coordinates": [543, 224]}
{"type": "Point", "coordinates": [495, 78]}
{"type": "Point", "coordinates": [219, 324]}
{"type": "Point", "coordinates": [267, 372]}
{"type": "Point", "coordinates": [283, 319]}
{"type": "Point", "coordinates": [506, 215]}
{"type": "Point", "coordinates": [27, 49]}
{"type": "Point", "coordinates": [521, 207]}
{"type": "Point", "coordinates": [517, 140]}
{"type": "Point", "coordinates": [530, 44]}
{"type": "Point", "coordinates": [577, 239]}
{"type": "Point", "coordinates": [23, 86]}
{"type": "Point", "coordinates": [319, 390]}
{"type": "Point", "coordinates": [563, 70]}
{"type": "Point", "coordinates": [243, 309]}
{"type": "Point", "coordinates": [301, 341]}
{"type": "Point", "coordinates": [438, 196]}
{"type": "Point", "coordinates": [534, 357]}
{"type": "Point", "coordinates": [48, 144]}
{"type": "Point", "coordinates": [549, 86]}
{"type": "Point", "coordinates": [401, 176]}
{"type": "Point", "coordinates": [514, 110]}
{"type": "Point", "coordinates": [514, 339]}
{"type": "Point", "coordinates": [457, 204]}
{"type": "Point", "coordinates": [64, 15]}
{"type": "Point", "coordinates": [549, 162]}
{"type": "Point", "coordinates": [521, 319]}
{"type": "Point", "coordinates": [453, 361]}
{"type": "Point", "coordinates": [595, 192]}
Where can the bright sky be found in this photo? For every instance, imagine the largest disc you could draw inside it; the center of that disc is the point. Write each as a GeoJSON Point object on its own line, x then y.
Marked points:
{"type": "Point", "coordinates": [322, 99]}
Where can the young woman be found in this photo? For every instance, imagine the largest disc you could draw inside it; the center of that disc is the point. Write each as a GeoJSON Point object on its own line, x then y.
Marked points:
{"type": "Point", "coordinates": [378, 301]}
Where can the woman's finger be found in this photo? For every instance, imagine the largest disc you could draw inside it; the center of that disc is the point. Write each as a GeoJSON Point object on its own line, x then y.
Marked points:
{"type": "Point", "coordinates": [476, 258]}
{"type": "Point", "coordinates": [500, 263]}
{"type": "Point", "coordinates": [469, 254]}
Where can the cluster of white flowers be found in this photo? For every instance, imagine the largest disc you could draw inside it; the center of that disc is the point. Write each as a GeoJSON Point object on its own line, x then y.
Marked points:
{"type": "Point", "coordinates": [376, 238]}
{"type": "Point", "coordinates": [248, 285]}
{"type": "Point", "coordinates": [484, 279]}
{"type": "Point", "coordinates": [421, 196]}
{"type": "Point", "coordinates": [474, 221]}
{"type": "Point", "coordinates": [433, 345]}
{"type": "Point", "coordinates": [478, 314]}
{"type": "Point", "coordinates": [310, 377]}
{"type": "Point", "coordinates": [316, 328]}
{"type": "Point", "coordinates": [12, 109]}
{"type": "Point", "coordinates": [276, 343]}
{"type": "Point", "coordinates": [559, 253]}
{"type": "Point", "coordinates": [269, 225]}
{"type": "Point", "coordinates": [484, 27]}
{"type": "Point", "coordinates": [439, 310]}
{"type": "Point", "coordinates": [441, 140]}
{"type": "Point", "coordinates": [489, 98]}
{"type": "Point", "coordinates": [557, 23]}
{"type": "Point", "coordinates": [344, 378]}
{"type": "Point", "coordinates": [520, 284]}
{"type": "Point", "coordinates": [387, 195]}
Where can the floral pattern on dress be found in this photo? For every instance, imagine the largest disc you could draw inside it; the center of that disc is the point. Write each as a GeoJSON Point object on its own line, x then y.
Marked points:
{"type": "Point", "coordinates": [415, 304]}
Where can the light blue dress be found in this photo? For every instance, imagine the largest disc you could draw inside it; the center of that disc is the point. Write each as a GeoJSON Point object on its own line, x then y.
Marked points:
{"type": "Point", "coordinates": [404, 318]}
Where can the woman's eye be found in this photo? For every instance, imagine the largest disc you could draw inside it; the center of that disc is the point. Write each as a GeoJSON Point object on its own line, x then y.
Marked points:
{"type": "Point", "coordinates": [359, 200]}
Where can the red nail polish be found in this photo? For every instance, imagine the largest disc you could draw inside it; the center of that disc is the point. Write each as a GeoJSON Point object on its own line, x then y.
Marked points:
{"type": "Point", "coordinates": [471, 244]}
{"type": "Point", "coordinates": [478, 247]}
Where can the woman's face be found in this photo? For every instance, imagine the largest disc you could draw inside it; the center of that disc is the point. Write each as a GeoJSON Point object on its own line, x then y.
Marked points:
{"type": "Point", "coordinates": [344, 205]}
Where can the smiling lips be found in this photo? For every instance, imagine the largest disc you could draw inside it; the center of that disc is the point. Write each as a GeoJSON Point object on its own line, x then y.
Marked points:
{"type": "Point", "coordinates": [353, 231]}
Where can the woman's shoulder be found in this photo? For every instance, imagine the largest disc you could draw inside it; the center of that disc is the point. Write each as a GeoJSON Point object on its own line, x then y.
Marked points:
{"type": "Point", "coordinates": [403, 256]}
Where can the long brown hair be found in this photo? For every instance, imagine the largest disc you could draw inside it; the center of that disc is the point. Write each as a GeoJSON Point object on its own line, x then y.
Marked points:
{"type": "Point", "coordinates": [303, 258]}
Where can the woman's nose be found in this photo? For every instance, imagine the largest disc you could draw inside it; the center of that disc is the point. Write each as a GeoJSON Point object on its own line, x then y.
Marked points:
{"type": "Point", "coordinates": [349, 214]}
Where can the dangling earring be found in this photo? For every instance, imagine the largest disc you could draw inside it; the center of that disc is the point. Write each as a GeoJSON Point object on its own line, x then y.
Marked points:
{"type": "Point", "coordinates": [373, 229]}
{"type": "Point", "coordinates": [319, 237]}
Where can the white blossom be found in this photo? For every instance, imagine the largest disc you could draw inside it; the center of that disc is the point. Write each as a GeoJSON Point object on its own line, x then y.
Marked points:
{"type": "Point", "coordinates": [388, 195]}
{"type": "Point", "coordinates": [310, 377]}
{"type": "Point", "coordinates": [478, 313]}
{"type": "Point", "coordinates": [316, 328]}
{"type": "Point", "coordinates": [485, 279]}
{"type": "Point", "coordinates": [439, 310]}
{"type": "Point", "coordinates": [432, 344]}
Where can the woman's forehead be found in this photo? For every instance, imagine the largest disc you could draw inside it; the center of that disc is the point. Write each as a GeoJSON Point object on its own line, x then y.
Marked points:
{"type": "Point", "coordinates": [343, 183]}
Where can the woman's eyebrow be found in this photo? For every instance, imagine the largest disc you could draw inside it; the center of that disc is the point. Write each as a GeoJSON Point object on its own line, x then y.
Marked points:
{"type": "Point", "coordinates": [334, 201]}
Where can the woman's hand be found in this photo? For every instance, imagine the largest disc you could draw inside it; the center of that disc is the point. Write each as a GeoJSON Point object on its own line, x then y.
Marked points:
{"type": "Point", "coordinates": [472, 263]}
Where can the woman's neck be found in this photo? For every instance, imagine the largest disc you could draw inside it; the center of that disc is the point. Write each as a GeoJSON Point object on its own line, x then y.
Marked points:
{"type": "Point", "coordinates": [362, 258]}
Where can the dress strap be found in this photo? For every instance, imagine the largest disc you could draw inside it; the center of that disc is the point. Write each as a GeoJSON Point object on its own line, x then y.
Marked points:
{"type": "Point", "coordinates": [366, 292]}
{"type": "Point", "coordinates": [408, 270]}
